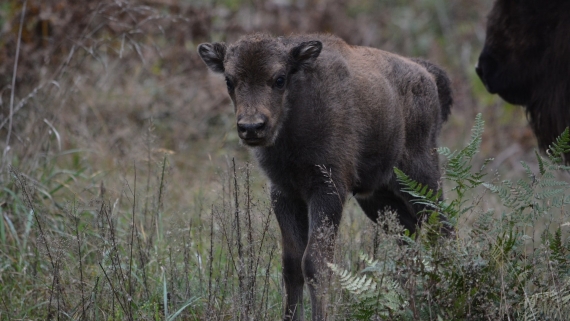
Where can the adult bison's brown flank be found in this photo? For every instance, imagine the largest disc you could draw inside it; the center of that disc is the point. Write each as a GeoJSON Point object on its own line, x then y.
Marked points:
{"type": "Point", "coordinates": [526, 60]}
{"type": "Point", "coordinates": [326, 119]}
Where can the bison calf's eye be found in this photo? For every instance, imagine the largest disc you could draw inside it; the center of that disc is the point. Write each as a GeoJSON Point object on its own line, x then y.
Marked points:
{"type": "Point", "coordinates": [229, 84]}
{"type": "Point", "coordinates": [279, 82]}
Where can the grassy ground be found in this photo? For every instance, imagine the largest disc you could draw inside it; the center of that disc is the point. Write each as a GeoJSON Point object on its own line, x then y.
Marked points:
{"type": "Point", "coordinates": [125, 194]}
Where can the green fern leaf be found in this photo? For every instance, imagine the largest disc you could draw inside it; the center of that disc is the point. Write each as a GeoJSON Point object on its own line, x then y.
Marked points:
{"type": "Point", "coordinates": [541, 167]}
{"type": "Point", "coordinates": [560, 147]}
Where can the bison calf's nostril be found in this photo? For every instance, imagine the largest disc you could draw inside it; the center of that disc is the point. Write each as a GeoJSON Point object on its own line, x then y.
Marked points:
{"type": "Point", "coordinates": [246, 127]}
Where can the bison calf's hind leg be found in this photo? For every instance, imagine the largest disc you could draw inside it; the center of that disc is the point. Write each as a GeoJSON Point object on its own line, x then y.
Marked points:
{"type": "Point", "coordinates": [382, 200]}
{"type": "Point", "coordinates": [410, 215]}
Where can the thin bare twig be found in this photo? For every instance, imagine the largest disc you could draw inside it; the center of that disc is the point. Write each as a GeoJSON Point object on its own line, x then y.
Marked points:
{"type": "Point", "coordinates": [76, 218]}
{"type": "Point", "coordinates": [22, 182]}
{"type": "Point", "coordinates": [252, 273]}
{"type": "Point", "coordinates": [160, 200]}
{"type": "Point", "coordinates": [210, 260]}
{"type": "Point", "coordinates": [241, 268]}
{"type": "Point", "coordinates": [53, 285]}
{"type": "Point", "coordinates": [113, 289]}
{"type": "Point", "coordinates": [132, 239]}
{"type": "Point", "coordinates": [13, 89]}
{"type": "Point", "coordinates": [6, 309]}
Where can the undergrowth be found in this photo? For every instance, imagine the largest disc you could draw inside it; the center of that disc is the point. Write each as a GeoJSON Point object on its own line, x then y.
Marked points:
{"type": "Point", "coordinates": [117, 257]}
{"type": "Point", "coordinates": [511, 263]}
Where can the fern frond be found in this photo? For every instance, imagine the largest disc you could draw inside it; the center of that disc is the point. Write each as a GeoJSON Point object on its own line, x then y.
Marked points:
{"type": "Point", "coordinates": [367, 259]}
{"type": "Point", "coordinates": [549, 193]}
{"type": "Point", "coordinates": [445, 151]}
{"type": "Point", "coordinates": [552, 183]}
{"type": "Point", "coordinates": [504, 193]}
{"type": "Point", "coordinates": [529, 172]}
{"type": "Point", "coordinates": [560, 147]}
{"type": "Point", "coordinates": [417, 190]}
{"type": "Point", "coordinates": [357, 285]}
{"type": "Point", "coordinates": [541, 164]}
{"type": "Point", "coordinates": [472, 147]}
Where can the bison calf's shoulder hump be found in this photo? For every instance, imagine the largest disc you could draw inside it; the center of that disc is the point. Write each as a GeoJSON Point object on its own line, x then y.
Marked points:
{"type": "Point", "coordinates": [326, 120]}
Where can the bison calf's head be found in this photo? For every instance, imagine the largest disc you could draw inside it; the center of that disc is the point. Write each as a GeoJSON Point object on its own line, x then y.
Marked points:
{"type": "Point", "coordinates": [258, 72]}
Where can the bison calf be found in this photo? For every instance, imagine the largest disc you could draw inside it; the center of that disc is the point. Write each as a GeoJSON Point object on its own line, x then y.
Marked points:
{"type": "Point", "coordinates": [324, 120]}
{"type": "Point", "coordinates": [526, 60]}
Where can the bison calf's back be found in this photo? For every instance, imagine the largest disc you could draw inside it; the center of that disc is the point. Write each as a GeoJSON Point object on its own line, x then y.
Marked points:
{"type": "Point", "coordinates": [326, 119]}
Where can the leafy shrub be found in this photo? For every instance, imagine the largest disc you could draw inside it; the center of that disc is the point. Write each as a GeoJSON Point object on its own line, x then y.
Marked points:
{"type": "Point", "coordinates": [511, 263]}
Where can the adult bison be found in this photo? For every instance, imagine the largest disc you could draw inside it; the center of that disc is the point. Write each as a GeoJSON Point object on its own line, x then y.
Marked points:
{"type": "Point", "coordinates": [526, 60]}
{"type": "Point", "coordinates": [326, 119]}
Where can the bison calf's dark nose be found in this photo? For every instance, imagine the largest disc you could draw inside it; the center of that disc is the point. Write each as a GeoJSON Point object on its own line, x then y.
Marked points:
{"type": "Point", "coordinates": [250, 127]}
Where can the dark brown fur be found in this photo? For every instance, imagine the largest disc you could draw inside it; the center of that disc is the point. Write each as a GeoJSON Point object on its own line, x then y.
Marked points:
{"type": "Point", "coordinates": [526, 60]}
{"type": "Point", "coordinates": [324, 120]}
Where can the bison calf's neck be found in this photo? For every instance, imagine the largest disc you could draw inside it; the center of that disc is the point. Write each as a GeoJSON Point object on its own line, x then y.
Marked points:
{"type": "Point", "coordinates": [326, 120]}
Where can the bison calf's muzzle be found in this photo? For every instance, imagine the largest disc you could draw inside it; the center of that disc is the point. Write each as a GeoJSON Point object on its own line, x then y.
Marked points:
{"type": "Point", "coordinates": [252, 130]}
{"type": "Point", "coordinates": [326, 120]}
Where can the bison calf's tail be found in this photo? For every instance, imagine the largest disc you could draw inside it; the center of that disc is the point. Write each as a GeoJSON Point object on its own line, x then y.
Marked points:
{"type": "Point", "coordinates": [443, 86]}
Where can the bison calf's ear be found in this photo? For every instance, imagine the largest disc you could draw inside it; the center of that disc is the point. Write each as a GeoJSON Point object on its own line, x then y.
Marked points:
{"type": "Point", "coordinates": [305, 54]}
{"type": "Point", "coordinates": [213, 55]}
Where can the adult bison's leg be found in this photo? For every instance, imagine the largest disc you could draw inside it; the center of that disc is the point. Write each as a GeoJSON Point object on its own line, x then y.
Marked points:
{"type": "Point", "coordinates": [293, 221]}
{"type": "Point", "coordinates": [325, 212]}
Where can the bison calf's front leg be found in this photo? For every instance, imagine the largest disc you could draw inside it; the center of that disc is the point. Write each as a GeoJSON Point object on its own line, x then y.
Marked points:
{"type": "Point", "coordinates": [308, 236]}
{"type": "Point", "coordinates": [325, 211]}
{"type": "Point", "coordinates": [294, 224]}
